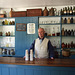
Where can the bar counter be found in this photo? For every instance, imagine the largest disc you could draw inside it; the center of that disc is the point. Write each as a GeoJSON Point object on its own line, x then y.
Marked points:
{"type": "Point", "coordinates": [38, 62]}
{"type": "Point", "coordinates": [18, 66]}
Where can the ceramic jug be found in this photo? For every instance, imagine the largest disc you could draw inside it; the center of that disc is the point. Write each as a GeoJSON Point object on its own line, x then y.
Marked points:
{"type": "Point", "coordinates": [52, 11]}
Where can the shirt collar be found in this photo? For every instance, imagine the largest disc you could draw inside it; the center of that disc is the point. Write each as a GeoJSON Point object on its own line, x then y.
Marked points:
{"type": "Point", "coordinates": [41, 39]}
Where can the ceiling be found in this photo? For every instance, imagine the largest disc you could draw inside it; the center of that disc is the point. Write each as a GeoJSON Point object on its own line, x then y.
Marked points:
{"type": "Point", "coordinates": [34, 3]}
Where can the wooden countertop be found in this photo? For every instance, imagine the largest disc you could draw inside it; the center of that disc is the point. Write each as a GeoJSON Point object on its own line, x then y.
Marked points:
{"type": "Point", "coordinates": [38, 62]}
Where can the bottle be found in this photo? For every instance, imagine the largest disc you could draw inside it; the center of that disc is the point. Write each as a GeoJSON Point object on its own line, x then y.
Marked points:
{"type": "Point", "coordinates": [71, 21]}
{"type": "Point", "coordinates": [49, 32]}
{"type": "Point", "coordinates": [65, 32]}
{"type": "Point", "coordinates": [58, 44]}
{"type": "Point", "coordinates": [74, 10]}
{"type": "Point", "coordinates": [68, 11]}
{"type": "Point", "coordinates": [65, 20]}
{"type": "Point", "coordinates": [61, 12]}
{"type": "Point", "coordinates": [31, 55]}
{"type": "Point", "coordinates": [45, 12]}
{"type": "Point", "coordinates": [66, 45]}
{"type": "Point", "coordinates": [63, 45]}
{"type": "Point", "coordinates": [58, 32]}
{"type": "Point", "coordinates": [72, 44]}
{"type": "Point", "coordinates": [53, 34]}
{"type": "Point", "coordinates": [62, 20]}
{"type": "Point", "coordinates": [71, 11]}
{"type": "Point", "coordinates": [72, 32]}
{"type": "Point", "coordinates": [65, 11]}
{"type": "Point", "coordinates": [69, 33]}
{"type": "Point", "coordinates": [62, 31]}
{"type": "Point", "coordinates": [68, 21]}
{"type": "Point", "coordinates": [26, 55]}
{"type": "Point", "coordinates": [6, 22]}
{"type": "Point", "coordinates": [54, 44]}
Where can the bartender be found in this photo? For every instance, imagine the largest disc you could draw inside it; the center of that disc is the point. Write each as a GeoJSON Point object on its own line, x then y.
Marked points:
{"type": "Point", "coordinates": [42, 46]}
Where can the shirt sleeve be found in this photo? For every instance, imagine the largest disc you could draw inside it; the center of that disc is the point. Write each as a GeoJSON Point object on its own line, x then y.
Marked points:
{"type": "Point", "coordinates": [51, 49]}
{"type": "Point", "coordinates": [32, 46]}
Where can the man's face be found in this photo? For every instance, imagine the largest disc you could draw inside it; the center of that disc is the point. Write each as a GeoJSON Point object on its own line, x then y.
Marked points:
{"type": "Point", "coordinates": [41, 33]}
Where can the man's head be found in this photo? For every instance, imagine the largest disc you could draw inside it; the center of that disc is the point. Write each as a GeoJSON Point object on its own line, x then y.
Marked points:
{"type": "Point", "coordinates": [41, 33]}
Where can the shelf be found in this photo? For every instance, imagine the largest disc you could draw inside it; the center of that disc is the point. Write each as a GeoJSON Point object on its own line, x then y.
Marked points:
{"type": "Point", "coordinates": [5, 55]}
{"type": "Point", "coordinates": [7, 47]}
{"type": "Point", "coordinates": [49, 16]}
{"type": "Point", "coordinates": [68, 36]}
{"type": "Point", "coordinates": [8, 36]}
{"type": "Point", "coordinates": [67, 15]}
{"type": "Point", "coordinates": [68, 23]}
{"type": "Point", "coordinates": [7, 25]}
{"type": "Point", "coordinates": [69, 48]}
{"type": "Point", "coordinates": [51, 24]}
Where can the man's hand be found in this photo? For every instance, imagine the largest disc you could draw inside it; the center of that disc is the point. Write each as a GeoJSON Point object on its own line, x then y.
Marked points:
{"type": "Point", "coordinates": [24, 57]}
{"type": "Point", "coordinates": [52, 58]}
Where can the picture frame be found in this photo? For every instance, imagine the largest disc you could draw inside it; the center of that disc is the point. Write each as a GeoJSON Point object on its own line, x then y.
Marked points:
{"type": "Point", "coordinates": [20, 27]}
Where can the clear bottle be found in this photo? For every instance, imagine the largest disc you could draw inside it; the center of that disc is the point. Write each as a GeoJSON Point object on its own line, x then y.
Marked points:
{"type": "Point", "coordinates": [58, 44]}
{"type": "Point", "coordinates": [49, 32]}
{"type": "Point", "coordinates": [54, 44]}
{"type": "Point", "coordinates": [58, 32]}
{"type": "Point", "coordinates": [53, 33]}
{"type": "Point", "coordinates": [26, 55]}
{"type": "Point", "coordinates": [31, 55]}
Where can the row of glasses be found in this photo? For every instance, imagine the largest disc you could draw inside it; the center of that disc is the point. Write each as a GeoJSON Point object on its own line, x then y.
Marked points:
{"type": "Point", "coordinates": [49, 22]}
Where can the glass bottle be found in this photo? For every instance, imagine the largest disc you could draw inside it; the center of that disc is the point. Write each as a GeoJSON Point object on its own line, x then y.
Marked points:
{"type": "Point", "coordinates": [71, 11]}
{"type": "Point", "coordinates": [68, 21]}
{"type": "Point", "coordinates": [54, 44]}
{"type": "Point", "coordinates": [61, 12]}
{"type": "Point", "coordinates": [45, 31]}
{"type": "Point", "coordinates": [69, 33]}
{"type": "Point", "coordinates": [6, 22]}
{"type": "Point", "coordinates": [49, 32]}
{"type": "Point", "coordinates": [58, 32]}
{"type": "Point", "coordinates": [68, 11]}
{"type": "Point", "coordinates": [65, 32]}
{"type": "Point", "coordinates": [71, 21]}
{"type": "Point", "coordinates": [53, 33]}
{"type": "Point", "coordinates": [62, 20]}
{"type": "Point", "coordinates": [58, 44]}
{"type": "Point", "coordinates": [66, 45]}
{"type": "Point", "coordinates": [72, 44]}
{"type": "Point", "coordinates": [74, 10]}
{"type": "Point", "coordinates": [65, 20]}
{"type": "Point", "coordinates": [65, 11]}
{"type": "Point", "coordinates": [62, 31]}
{"type": "Point", "coordinates": [72, 32]}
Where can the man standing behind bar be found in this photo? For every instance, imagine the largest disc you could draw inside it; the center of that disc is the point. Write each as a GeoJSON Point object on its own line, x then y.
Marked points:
{"type": "Point", "coordinates": [42, 46]}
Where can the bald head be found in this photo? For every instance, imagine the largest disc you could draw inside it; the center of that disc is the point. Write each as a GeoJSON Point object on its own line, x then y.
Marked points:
{"type": "Point", "coordinates": [41, 33]}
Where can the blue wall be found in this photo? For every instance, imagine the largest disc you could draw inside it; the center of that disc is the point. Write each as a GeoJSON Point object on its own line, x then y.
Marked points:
{"type": "Point", "coordinates": [22, 39]}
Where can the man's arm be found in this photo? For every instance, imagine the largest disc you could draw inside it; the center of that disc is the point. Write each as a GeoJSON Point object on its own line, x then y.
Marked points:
{"type": "Point", "coordinates": [51, 50]}
{"type": "Point", "coordinates": [32, 46]}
